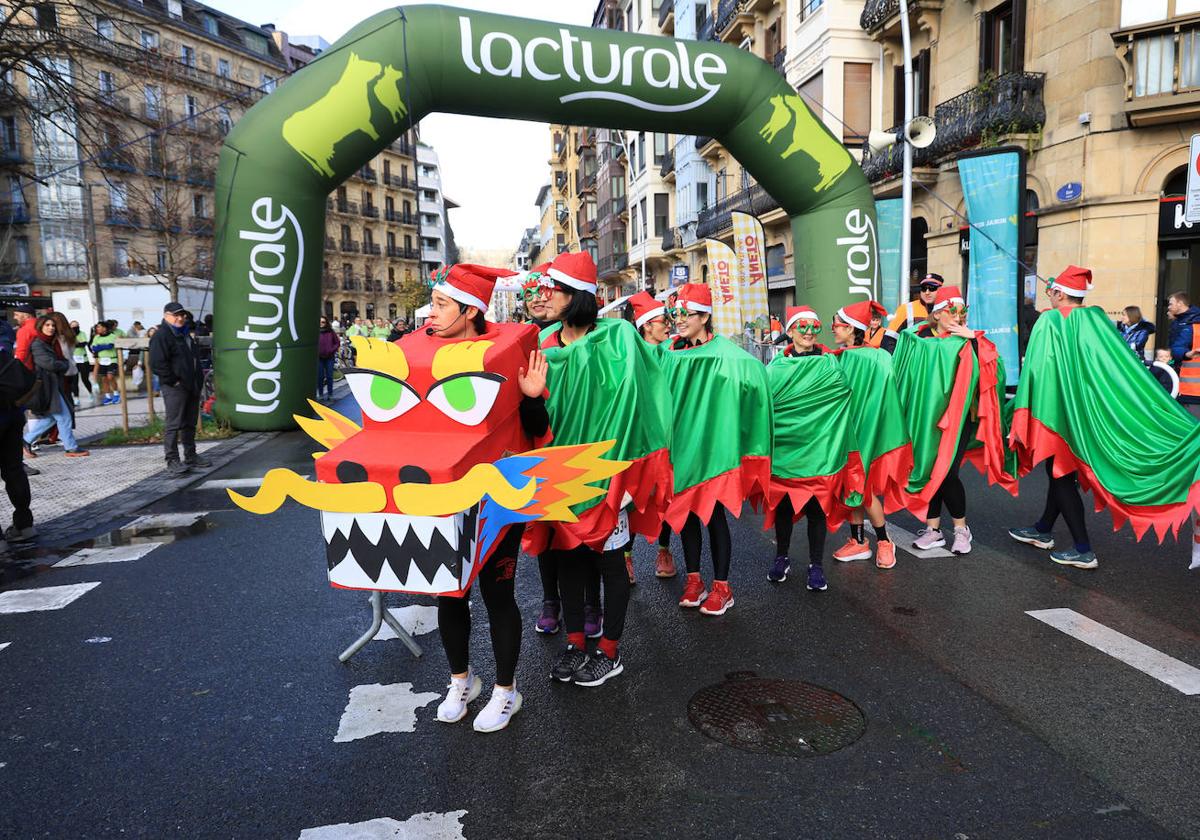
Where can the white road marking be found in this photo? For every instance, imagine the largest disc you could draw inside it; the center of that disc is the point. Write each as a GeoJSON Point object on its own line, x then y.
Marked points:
{"type": "Point", "coordinates": [3, 645]}
{"type": "Point", "coordinates": [167, 520]}
{"type": "Point", "coordinates": [46, 598]}
{"type": "Point", "coordinates": [416, 619]}
{"type": "Point", "coordinates": [425, 826]}
{"type": "Point", "coordinates": [98, 640]}
{"type": "Point", "coordinates": [1167, 669]}
{"type": "Point", "coordinates": [381, 708]}
{"type": "Point", "coordinates": [907, 538]}
{"type": "Point", "coordinates": [117, 554]}
{"type": "Point", "coordinates": [232, 483]}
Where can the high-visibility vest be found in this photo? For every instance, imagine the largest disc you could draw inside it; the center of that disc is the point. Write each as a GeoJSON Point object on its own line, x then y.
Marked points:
{"type": "Point", "coordinates": [1189, 369]}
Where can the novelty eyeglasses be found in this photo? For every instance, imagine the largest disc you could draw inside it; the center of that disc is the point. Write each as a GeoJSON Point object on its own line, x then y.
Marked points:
{"type": "Point", "coordinates": [681, 312]}
{"type": "Point", "coordinates": [535, 289]}
{"type": "Point", "coordinates": [807, 327]}
{"type": "Point", "coordinates": [957, 310]}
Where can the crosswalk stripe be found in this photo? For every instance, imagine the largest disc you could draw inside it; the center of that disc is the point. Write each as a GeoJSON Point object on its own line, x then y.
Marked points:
{"type": "Point", "coordinates": [373, 709]}
{"type": "Point", "coordinates": [417, 619]}
{"type": "Point", "coordinates": [233, 483]}
{"type": "Point", "coordinates": [907, 543]}
{"type": "Point", "coordinates": [116, 554]}
{"type": "Point", "coordinates": [45, 598]}
{"type": "Point", "coordinates": [1167, 669]}
{"type": "Point", "coordinates": [425, 826]}
{"type": "Point", "coordinates": [166, 520]}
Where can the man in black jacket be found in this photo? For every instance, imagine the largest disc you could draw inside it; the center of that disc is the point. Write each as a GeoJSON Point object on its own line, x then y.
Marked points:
{"type": "Point", "coordinates": [175, 359]}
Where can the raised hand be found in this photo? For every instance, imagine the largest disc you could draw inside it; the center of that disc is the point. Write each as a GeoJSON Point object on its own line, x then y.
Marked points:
{"type": "Point", "coordinates": [533, 379]}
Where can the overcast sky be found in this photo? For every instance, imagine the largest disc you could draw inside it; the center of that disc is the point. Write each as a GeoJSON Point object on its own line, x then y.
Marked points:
{"type": "Point", "coordinates": [492, 168]}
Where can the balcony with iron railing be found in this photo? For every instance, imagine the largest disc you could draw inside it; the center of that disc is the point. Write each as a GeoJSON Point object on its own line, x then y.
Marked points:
{"type": "Point", "coordinates": [201, 226]}
{"type": "Point", "coordinates": [199, 176]}
{"type": "Point", "coordinates": [612, 264]}
{"type": "Point", "coordinates": [342, 206]}
{"type": "Point", "coordinates": [14, 213]}
{"type": "Point", "coordinates": [727, 12]}
{"type": "Point", "coordinates": [619, 203]}
{"type": "Point", "coordinates": [121, 217]}
{"type": "Point", "coordinates": [367, 174]}
{"type": "Point", "coordinates": [670, 240]}
{"type": "Point", "coordinates": [349, 246]}
{"type": "Point", "coordinates": [587, 139]}
{"type": "Point", "coordinates": [587, 227]}
{"type": "Point", "coordinates": [116, 160]}
{"type": "Point", "coordinates": [399, 217]}
{"type": "Point", "coordinates": [372, 249]}
{"type": "Point", "coordinates": [17, 272]}
{"type": "Point", "coordinates": [562, 214]}
{"type": "Point", "coordinates": [668, 164]}
{"type": "Point", "coordinates": [402, 147]}
{"type": "Point", "coordinates": [882, 16]}
{"type": "Point", "coordinates": [1161, 66]}
{"type": "Point", "coordinates": [560, 180]}
{"type": "Point", "coordinates": [713, 220]}
{"type": "Point", "coordinates": [666, 17]}
{"type": "Point", "coordinates": [330, 282]}
{"type": "Point", "coordinates": [399, 252]}
{"type": "Point", "coordinates": [402, 182]}
{"type": "Point", "coordinates": [1007, 105]}
{"type": "Point", "coordinates": [370, 211]}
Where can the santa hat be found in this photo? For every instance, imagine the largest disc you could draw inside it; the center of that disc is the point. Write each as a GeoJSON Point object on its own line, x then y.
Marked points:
{"type": "Point", "coordinates": [796, 313]}
{"type": "Point", "coordinates": [946, 296]}
{"type": "Point", "coordinates": [471, 285]}
{"type": "Point", "coordinates": [577, 270]}
{"type": "Point", "coordinates": [859, 315]}
{"type": "Point", "coordinates": [1074, 281]}
{"type": "Point", "coordinates": [645, 308]}
{"type": "Point", "coordinates": [697, 297]}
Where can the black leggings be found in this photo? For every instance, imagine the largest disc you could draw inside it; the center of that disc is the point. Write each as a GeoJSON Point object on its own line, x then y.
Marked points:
{"type": "Point", "coordinates": [719, 543]}
{"type": "Point", "coordinates": [577, 570]}
{"type": "Point", "coordinates": [496, 581]}
{"type": "Point", "coordinates": [548, 564]}
{"type": "Point", "coordinates": [664, 536]}
{"type": "Point", "coordinates": [952, 492]}
{"type": "Point", "coordinates": [1062, 497]}
{"type": "Point", "coordinates": [817, 528]}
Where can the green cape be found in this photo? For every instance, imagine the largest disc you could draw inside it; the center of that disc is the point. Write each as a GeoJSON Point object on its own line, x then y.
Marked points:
{"type": "Point", "coordinates": [940, 382]}
{"type": "Point", "coordinates": [877, 416]}
{"type": "Point", "coordinates": [721, 446]}
{"type": "Point", "coordinates": [608, 386]}
{"type": "Point", "coordinates": [1085, 400]}
{"type": "Point", "coordinates": [815, 451]}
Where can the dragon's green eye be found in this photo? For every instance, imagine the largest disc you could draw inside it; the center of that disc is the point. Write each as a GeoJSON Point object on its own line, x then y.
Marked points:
{"type": "Point", "coordinates": [380, 397]}
{"type": "Point", "coordinates": [467, 397]}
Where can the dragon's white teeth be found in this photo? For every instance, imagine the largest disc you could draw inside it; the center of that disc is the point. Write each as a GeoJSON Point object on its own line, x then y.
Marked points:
{"type": "Point", "coordinates": [371, 524]}
{"type": "Point", "coordinates": [423, 527]}
{"type": "Point", "coordinates": [332, 523]}
{"type": "Point", "coordinates": [443, 580]}
{"type": "Point", "coordinates": [448, 525]}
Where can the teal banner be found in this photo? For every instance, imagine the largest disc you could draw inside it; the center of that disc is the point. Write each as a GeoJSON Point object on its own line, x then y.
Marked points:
{"type": "Point", "coordinates": [993, 184]}
{"type": "Point", "coordinates": [889, 213]}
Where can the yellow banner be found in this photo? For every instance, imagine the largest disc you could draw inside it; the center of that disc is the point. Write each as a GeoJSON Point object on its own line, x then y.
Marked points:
{"type": "Point", "coordinates": [723, 280]}
{"type": "Point", "coordinates": [750, 243]}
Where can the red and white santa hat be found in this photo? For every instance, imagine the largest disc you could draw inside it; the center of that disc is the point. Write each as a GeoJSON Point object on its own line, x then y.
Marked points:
{"type": "Point", "coordinates": [947, 295]}
{"type": "Point", "coordinates": [1073, 281]}
{"type": "Point", "coordinates": [858, 315]}
{"type": "Point", "coordinates": [697, 297]}
{"type": "Point", "coordinates": [797, 313]}
{"type": "Point", "coordinates": [645, 308]}
{"type": "Point", "coordinates": [577, 270]}
{"type": "Point", "coordinates": [468, 284]}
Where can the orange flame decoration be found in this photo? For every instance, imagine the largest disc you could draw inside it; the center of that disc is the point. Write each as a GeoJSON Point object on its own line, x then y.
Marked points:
{"type": "Point", "coordinates": [564, 478]}
{"type": "Point", "coordinates": [330, 430]}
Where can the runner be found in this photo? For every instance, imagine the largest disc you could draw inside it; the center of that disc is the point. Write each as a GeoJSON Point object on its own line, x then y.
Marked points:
{"type": "Point", "coordinates": [951, 382]}
{"type": "Point", "coordinates": [815, 465]}
{"type": "Point", "coordinates": [722, 431]}
{"type": "Point", "coordinates": [604, 384]}
{"type": "Point", "coordinates": [879, 426]}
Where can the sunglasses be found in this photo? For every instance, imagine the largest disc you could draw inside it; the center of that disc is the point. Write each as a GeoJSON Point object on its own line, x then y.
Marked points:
{"type": "Point", "coordinates": [925, 288]}
{"type": "Point", "coordinates": [807, 327]}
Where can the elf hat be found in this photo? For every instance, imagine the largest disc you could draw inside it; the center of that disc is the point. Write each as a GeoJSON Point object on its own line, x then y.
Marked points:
{"type": "Point", "coordinates": [577, 270]}
{"type": "Point", "coordinates": [858, 315]}
{"type": "Point", "coordinates": [697, 297]}
{"type": "Point", "coordinates": [946, 296]}
{"type": "Point", "coordinates": [471, 285]}
{"type": "Point", "coordinates": [1074, 281]}
{"type": "Point", "coordinates": [645, 308]}
{"type": "Point", "coordinates": [796, 313]}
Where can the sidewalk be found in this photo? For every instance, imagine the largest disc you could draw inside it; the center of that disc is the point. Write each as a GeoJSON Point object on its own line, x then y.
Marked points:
{"type": "Point", "coordinates": [93, 421]}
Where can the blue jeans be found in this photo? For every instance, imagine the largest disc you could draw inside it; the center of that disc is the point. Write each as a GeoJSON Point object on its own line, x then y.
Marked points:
{"type": "Point", "coordinates": [325, 376]}
{"type": "Point", "coordinates": [61, 416]}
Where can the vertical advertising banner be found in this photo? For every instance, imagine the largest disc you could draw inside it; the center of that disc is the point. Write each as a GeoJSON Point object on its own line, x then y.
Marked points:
{"type": "Point", "coordinates": [723, 280]}
{"type": "Point", "coordinates": [993, 187]}
{"type": "Point", "coordinates": [749, 242]}
{"type": "Point", "coordinates": [889, 213]}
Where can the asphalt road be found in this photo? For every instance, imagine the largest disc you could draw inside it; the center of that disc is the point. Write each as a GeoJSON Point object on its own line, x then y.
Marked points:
{"type": "Point", "coordinates": [196, 692]}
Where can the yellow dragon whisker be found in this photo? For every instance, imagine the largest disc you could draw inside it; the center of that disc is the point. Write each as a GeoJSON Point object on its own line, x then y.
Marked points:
{"type": "Point", "coordinates": [279, 484]}
{"type": "Point", "coordinates": [455, 496]}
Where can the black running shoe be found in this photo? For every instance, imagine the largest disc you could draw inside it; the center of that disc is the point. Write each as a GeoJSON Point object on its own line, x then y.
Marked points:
{"type": "Point", "coordinates": [569, 661]}
{"type": "Point", "coordinates": [597, 669]}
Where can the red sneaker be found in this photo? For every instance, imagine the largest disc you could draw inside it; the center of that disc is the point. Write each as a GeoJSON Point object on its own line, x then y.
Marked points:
{"type": "Point", "coordinates": [853, 550]}
{"type": "Point", "coordinates": [629, 567]}
{"type": "Point", "coordinates": [885, 554]}
{"type": "Point", "coordinates": [664, 564]}
{"type": "Point", "coordinates": [693, 591]}
{"type": "Point", "coordinates": [719, 599]}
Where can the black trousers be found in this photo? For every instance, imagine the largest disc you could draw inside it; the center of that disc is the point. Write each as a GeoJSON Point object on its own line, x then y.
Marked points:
{"type": "Point", "coordinates": [719, 543]}
{"type": "Point", "coordinates": [951, 492]}
{"type": "Point", "coordinates": [12, 469]}
{"type": "Point", "coordinates": [496, 580]}
{"type": "Point", "coordinates": [181, 410]}
{"type": "Point", "coordinates": [1062, 498]}
{"type": "Point", "coordinates": [548, 566]}
{"type": "Point", "coordinates": [664, 536]}
{"type": "Point", "coordinates": [577, 569]}
{"type": "Point", "coordinates": [818, 527]}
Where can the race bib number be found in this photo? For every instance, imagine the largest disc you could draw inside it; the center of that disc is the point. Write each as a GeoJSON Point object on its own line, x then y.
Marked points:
{"type": "Point", "coordinates": [620, 534]}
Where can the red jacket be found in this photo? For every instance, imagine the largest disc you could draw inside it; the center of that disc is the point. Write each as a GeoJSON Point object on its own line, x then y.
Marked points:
{"type": "Point", "coordinates": [25, 336]}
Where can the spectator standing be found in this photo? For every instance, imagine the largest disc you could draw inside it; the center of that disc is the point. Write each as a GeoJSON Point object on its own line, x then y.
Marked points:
{"type": "Point", "coordinates": [1136, 330]}
{"type": "Point", "coordinates": [381, 330]}
{"type": "Point", "coordinates": [328, 345]}
{"type": "Point", "coordinates": [357, 328]}
{"type": "Point", "coordinates": [26, 317]}
{"type": "Point", "coordinates": [8, 337]}
{"type": "Point", "coordinates": [104, 350]}
{"type": "Point", "coordinates": [913, 314]}
{"type": "Point", "coordinates": [176, 360]}
{"type": "Point", "coordinates": [50, 365]}
{"type": "Point", "coordinates": [12, 469]}
{"type": "Point", "coordinates": [1185, 349]}
{"type": "Point", "coordinates": [66, 343]}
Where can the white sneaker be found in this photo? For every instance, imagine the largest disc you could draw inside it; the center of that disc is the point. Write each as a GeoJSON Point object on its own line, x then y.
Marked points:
{"type": "Point", "coordinates": [499, 710]}
{"type": "Point", "coordinates": [460, 693]}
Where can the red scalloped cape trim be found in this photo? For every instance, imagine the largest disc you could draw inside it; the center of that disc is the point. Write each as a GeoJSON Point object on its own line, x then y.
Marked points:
{"type": "Point", "coordinates": [830, 491]}
{"type": "Point", "coordinates": [730, 489]}
{"type": "Point", "coordinates": [888, 475]}
{"type": "Point", "coordinates": [989, 458]}
{"type": "Point", "coordinates": [648, 480]}
{"type": "Point", "coordinates": [1035, 442]}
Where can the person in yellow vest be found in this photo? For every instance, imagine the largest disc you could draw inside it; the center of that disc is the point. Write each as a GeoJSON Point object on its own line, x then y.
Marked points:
{"type": "Point", "coordinates": [912, 315]}
{"type": "Point", "coordinates": [1185, 349]}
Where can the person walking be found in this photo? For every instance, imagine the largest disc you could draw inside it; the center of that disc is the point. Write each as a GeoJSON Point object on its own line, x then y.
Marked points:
{"type": "Point", "coordinates": [1185, 349]}
{"type": "Point", "coordinates": [25, 317]}
{"type": "Point", "coordinates": [104, 349]}
{"type": "Point", "coordinates": [50, 366]}
{"type": "Point", "coordinates": [83, 367]}
{"type": "Point", "coordinates": [1136, 330]}
{"type": "Point", "coordinates": [176, 362]}
{"type": "Point", "coordinates": [12, 468]}
{"type": "Point", "coordinates": [328, 345]}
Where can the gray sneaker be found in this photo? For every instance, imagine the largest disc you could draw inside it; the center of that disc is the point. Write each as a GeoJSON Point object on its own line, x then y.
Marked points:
{"type": "Point", "coordinates": [929, 538]}
{"type": "Point", "coordinates": [962, 541]}
{"type": "Point", "coordinates": [198, 461]}
{"type": "Point", "coordinates": [1071, 557]}
{"type": "Point", "coordinates": [177, 468]}
{"type": "Point", "coordinates": [1032, 536]}
{"type": "Point", "coordinates": [14, 534]}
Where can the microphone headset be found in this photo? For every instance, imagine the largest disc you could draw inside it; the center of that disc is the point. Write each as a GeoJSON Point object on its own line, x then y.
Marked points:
{"type": "Point", "coordinates": [434, 330]}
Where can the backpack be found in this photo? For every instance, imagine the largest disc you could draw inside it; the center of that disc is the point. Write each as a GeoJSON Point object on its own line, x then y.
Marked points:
{"type": "Point", "coordinates": [18, 384]}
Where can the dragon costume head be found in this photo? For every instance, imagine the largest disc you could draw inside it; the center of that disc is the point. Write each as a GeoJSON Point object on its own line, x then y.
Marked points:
{"type": "Point", "coordinates": [415, 499]}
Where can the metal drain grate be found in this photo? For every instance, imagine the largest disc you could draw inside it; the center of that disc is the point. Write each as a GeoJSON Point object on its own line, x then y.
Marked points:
{"type": "Point", "coordinates": [778, 717]}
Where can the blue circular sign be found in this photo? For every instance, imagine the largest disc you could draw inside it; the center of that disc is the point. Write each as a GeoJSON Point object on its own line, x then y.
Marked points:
{"type": "Point", "coordinates": [1069, 192]}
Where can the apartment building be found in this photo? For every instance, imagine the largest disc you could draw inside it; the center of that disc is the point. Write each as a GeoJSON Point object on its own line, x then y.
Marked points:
{"type": "Point", "coordinates": [165, 81]}
{"type": "Point", "coordinates": [1104, 96]}
{"type": "Point", "coordinates": [437, 238]}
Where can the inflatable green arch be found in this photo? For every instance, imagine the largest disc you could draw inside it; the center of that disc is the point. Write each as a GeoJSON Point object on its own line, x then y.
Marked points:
{"type": "Point", "coordinates": [292, 149]}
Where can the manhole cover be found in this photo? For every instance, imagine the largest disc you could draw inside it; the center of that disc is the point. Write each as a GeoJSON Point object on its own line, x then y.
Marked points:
{"type": "Point", "coordinates": [779, 717]}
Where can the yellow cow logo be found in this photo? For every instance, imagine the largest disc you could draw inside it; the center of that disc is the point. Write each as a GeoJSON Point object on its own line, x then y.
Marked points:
{"type": "Point", "coordinates": [808, 136]}
{"type": "Point", "coordinates": [345, 108]}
